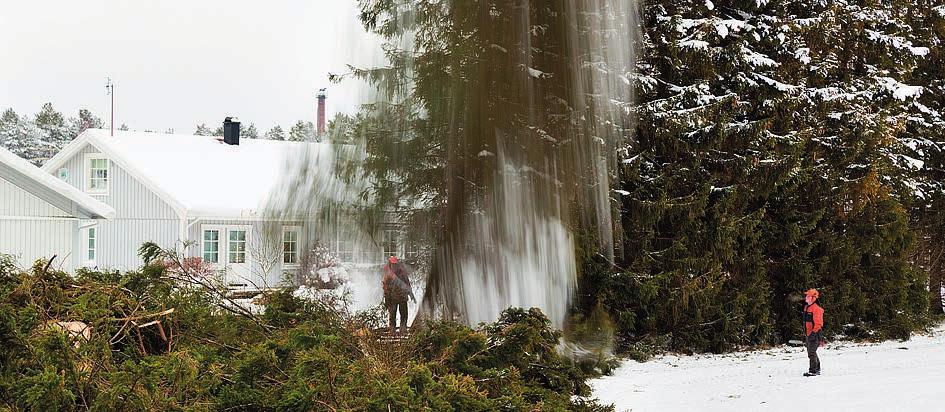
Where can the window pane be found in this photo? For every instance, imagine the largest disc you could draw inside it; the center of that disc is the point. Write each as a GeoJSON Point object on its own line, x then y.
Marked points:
{"type": "Point", "coordinates": [390, 242]}
{"type": "Point", "coordinates": [237, 235]}
{"type": "Point", "coordinates": [290, 246]}
{"type": "Point", "coordinates": [237, 246]}
{"type": "Point", "coordinates": [211, 246]}
{"type": "Point", "coordinates": [237, 257]}
{"type": "Point", "coordinates": [91, 251]}
{"type": "Point", "coordinates": [98, 174]}
{"type": "Point", "coordinates": [411, 250]}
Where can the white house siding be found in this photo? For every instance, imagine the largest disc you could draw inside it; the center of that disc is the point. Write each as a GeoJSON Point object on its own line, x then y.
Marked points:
{"type": "Point", "coordinates": [30, 240]}
{"type": "Point", "coordinates": [34, 229]}
{"type": "Point", "coordinates": [140, 215]}
{"type": "Point", "coordinates": [18, 202]}
{"type": "Point", "coordinates": [257, 275]}
{"type": "Point", "coordinates": [118, 240]}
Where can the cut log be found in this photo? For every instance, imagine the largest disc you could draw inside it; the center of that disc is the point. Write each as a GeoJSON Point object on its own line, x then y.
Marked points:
{"type": "Point", "coordinates": [79, 332]}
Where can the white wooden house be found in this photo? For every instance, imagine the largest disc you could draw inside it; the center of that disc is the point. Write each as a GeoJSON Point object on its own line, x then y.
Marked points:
{"type": "Point", "coordinates": [43, 217]}
{"type": "Point", "coordinates": [204, 196]}
{"type": "Point", "coordinates": [102, 196]}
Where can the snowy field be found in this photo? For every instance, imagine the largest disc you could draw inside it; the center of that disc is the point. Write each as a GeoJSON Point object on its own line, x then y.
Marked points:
{"type": "Point", "coordinates": [889, 376]}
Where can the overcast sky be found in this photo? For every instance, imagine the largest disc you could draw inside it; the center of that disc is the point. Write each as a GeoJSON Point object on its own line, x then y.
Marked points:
{"type": "Point", "coordinates": [177, 63]}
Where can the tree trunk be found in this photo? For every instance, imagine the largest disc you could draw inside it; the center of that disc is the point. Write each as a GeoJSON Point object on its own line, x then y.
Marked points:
{"type": "Point", "coordinates": [935, 287]}
{"type": "Point", "coordinates": [930, 257]}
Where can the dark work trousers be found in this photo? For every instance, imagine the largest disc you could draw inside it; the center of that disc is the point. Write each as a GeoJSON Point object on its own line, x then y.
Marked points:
{"type": "Point", "coordinates": [813, 342]}
{"type": "Point", "coordinates": [392, 310]}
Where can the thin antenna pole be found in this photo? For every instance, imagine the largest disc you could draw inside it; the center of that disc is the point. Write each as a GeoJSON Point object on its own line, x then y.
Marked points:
{"type": "Point", "coordinates": [110, 89]}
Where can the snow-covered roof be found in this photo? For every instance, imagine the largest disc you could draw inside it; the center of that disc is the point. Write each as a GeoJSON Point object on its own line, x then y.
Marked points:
{"type": "Point", "coordinates": [200, 176]}
{"type": "Point", "coordinates": [52, 190]}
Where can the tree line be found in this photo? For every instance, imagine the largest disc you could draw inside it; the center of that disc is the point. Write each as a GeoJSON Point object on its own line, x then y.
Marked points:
{"type": "Point", "coordinates": [301, 131]}
{"type": "Point", "coordinates": [781, 146]}
{"type": "Point", "coordinates": [38, 137]}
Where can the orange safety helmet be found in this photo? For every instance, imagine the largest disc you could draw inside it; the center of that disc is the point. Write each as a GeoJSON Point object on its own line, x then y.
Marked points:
{"type": "Point", "coordinates": [812, 292]}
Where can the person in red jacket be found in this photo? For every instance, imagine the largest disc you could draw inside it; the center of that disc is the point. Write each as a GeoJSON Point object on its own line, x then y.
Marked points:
{"type": "Point", "coordinates": [396, 284]}
{"type": "Point", "coordinates": [813, 328]}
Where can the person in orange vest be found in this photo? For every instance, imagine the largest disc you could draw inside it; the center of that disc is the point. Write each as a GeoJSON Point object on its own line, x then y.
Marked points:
{"type": "Point", "coordinates": [813, 328]}
{"type": "Point", "coordinates": [397, 289]}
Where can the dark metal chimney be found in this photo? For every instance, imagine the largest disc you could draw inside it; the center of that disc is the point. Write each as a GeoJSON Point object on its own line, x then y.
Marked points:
{"type": "Point", "coordinates": [231, 131]}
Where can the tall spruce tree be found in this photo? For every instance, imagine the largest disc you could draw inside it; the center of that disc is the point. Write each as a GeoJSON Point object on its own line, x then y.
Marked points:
{"type": "Point", "coordinates": [341, 129]}
{"type": "Point", "coordinates": [21, 136]}
{"type": "Point", "coordinates": [204, 130]}
{"type": "Point", "coordinates": [276, 133]}
{"type": "Point", "coordinates": [864, 56]}
{"type": "Point", "coordinates": [8, 129]}
{"type": "Point", "coordinates": [927, 143]}
{"type": "Point", "coordinates": [697, 177]}
{"type": "Point", "coordinates": [484, 90]}
{"type": "Point", "coordinates": [249, 132]}
{"type": "Point", "coordinates": [85, 120]}
{"type": "Point", "coordinates": [302, 131]}
{"type": "Point", "coordinates": [54, 133]}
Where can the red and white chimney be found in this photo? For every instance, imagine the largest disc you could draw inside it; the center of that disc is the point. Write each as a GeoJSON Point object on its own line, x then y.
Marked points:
{"type": "Point", "coordinates": [321, 110]}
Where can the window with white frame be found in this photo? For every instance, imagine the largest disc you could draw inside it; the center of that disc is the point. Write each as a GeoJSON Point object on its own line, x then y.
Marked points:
{"type": "Point", "coordinates": [411, 250]}
{"type": "Point", "coordinates": [90, 250]}
{"type": "Point", "coordinates": [211, 245]}
{"type": "Point", "coordinates": [290, 246]}
{"type": "Point", "coordinates": [96, 172]}
{"type": "Point", "coordinates": [236, 247]}
{"type": "Point", "coordinates": [389, 242]}
{"type": "Point", "coordinates": [343, 246]}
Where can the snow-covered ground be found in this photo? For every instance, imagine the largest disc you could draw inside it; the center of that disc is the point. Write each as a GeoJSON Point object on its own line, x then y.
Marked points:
{"type": "Point", "coordinates": [889, 376]}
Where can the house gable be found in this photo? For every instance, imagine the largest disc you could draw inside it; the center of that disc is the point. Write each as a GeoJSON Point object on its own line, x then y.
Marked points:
{"type": "Point", "coordinates": [27, 190]}
{"type": "Point", "coordinates": [131, 198]}
{"type": "Point", "coordinates": [246, 177]}
{"type": "Point", "coordinates": [130, 192]}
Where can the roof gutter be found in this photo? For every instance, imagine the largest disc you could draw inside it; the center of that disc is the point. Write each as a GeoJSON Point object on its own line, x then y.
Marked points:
{"type": "Point", "coordinates": [93, 223]}
{"type": "Point", "coordinates": [184, 230]}
{"type": "Point", "coordinates": [191, 224]}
